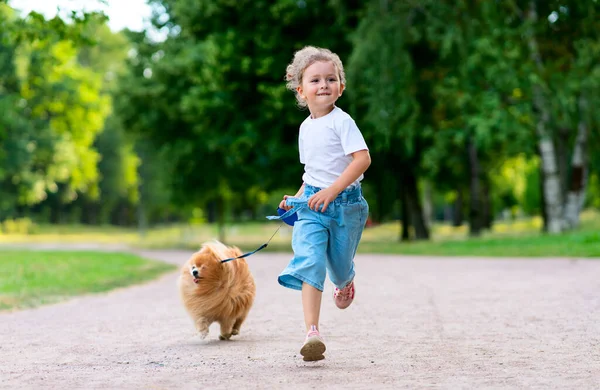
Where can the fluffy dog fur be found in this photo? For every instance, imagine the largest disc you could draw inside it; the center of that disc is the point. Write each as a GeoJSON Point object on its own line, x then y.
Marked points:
{"type": "Point", "coordinates": [212, 291]}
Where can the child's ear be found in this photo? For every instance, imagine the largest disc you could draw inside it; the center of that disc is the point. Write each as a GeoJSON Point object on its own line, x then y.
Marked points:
{"type": "Point", "coordinates": [342, 87]}
{"type": "Point", "coordinates": [299, 90]}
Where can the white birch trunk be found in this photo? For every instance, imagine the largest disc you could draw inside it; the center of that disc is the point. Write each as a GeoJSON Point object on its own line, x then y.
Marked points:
{"type": "Point", "coordinates": [552, 190]}
{"type": "Point", "coordinates": [576, 194]}
{"type": "Point", "coordinates": [551, 184]}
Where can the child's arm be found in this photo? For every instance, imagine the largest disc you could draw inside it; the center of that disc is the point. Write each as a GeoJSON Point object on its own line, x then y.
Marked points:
{"type": "Point", "coordinates": [282, 204]}
{"type": "Point", "coordinates": [360, 162]}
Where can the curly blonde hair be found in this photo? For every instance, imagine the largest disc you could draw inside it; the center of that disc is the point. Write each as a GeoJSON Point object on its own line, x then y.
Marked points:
{"type": "Point", "coordinates": [304, 58]}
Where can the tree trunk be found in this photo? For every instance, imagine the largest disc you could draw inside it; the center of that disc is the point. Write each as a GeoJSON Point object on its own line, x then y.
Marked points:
{"type": "Point", "coordinates": [380, 210]}
{"type": "Point", "coordinates": [457, 215]}
{"type": "Point", "coordinates": [551, 185]}
{"type": "Point", "coordinates": [577, 185]}
{"type": "Point", "coordinates": [414, 208]}
{"type": "Point", "coordinates": [475, 214]}
{"type": "Point", "coordinates": [561, 146]}
{"type": "Point", "coordinates": [551, 179]}
{"type": "Point", "coordinates": [142, 218]}
{"type": "Point", "coordinates": [486, 206]}
{"type": "Point", "coordinates": [405, 219]}
{"type": "Point", "coordinates": [212, 211]}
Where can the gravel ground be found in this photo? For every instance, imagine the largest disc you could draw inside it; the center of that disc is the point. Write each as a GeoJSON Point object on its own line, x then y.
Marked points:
{"type": "Point", "coordinates": [417, 323]}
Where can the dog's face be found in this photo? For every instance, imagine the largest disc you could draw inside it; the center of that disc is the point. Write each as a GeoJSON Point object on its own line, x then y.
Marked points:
{"type": "Point", "coordinates": [195, 273]}
{"type": "Point", "coordinates": [204, 266]}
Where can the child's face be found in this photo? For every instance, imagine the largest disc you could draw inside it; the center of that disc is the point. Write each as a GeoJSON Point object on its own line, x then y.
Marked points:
{"type": "Point", "coordinates": [321, 85]}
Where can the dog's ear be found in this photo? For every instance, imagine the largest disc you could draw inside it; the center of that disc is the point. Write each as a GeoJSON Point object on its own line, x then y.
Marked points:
{"type": "Point", "coordinates": [233, 251]}
{"type": "Point", "coordinates": [217, 250]}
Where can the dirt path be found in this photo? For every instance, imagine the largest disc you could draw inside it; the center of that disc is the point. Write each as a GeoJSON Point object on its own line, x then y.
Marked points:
{"type": "Point", "coordinates": [417, 323]}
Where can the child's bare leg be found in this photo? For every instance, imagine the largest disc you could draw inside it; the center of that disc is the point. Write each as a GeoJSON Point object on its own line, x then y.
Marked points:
{"type": "Point", "coordinates": [313, 347]}
{"type": "Point", "coordinates": [311, 303]}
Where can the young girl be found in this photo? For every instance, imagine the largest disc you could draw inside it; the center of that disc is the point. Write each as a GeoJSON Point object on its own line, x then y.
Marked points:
{"type": "Point", "coordinates": [331, 209]}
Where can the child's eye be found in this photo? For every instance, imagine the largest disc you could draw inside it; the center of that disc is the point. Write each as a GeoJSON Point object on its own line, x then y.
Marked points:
{"type": "Point", "coordinates": [332, 80]}
{"type": "Point", "coordinates": [314, 80]}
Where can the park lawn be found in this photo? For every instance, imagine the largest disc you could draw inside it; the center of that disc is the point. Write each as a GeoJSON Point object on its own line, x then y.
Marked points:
{"type": "Point", "coordinates": [33, 278]}
{"type": "Point", "coordinates": [519, 237]}
{"type": "Point", "coordinates": [576, 244]}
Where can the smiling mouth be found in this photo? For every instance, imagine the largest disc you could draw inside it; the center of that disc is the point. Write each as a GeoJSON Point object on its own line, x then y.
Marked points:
{"type": "Point", "coordinates": [195, 274]}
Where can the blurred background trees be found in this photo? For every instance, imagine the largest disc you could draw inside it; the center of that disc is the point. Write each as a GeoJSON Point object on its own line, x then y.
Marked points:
{"type": "Point", "coordinates": [473, 111]}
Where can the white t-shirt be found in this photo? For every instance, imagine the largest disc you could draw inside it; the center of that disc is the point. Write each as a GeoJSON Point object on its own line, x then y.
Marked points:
{"type": "Point", "coordinates": [326, 145]}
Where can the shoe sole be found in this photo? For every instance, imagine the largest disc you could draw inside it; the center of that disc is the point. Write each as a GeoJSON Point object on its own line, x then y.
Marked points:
{"type": "Point", "coordinates": [343, 305]}
{"type": "Point", "coordinates": [313, 350]}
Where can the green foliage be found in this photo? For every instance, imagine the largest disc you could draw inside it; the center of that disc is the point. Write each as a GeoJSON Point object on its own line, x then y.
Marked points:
{"type": "Point", "coordinates": [593, 194]}
{"type": "Point", "coordinates": [212, 95]}
{"type": "Point", "coordinates": [55, 111]}
{"type": "Point", "coordinates": [479, 91]}
{"type": "Point", "coordinates": [382, 72]}
{"type": "Point", "coordinates": [67, 98]}
{"type": "Point", "coordinates": [119, 180]}
{"type": "Point", "coordinates": [154, 178]}
{"type": "Point", "coordinates": [531, 201]}
{"type": "Point", "coordinates": [18, 226]}
{"type": "Point", "coordinates": [517, 185]}
{"type": "Point", "coordinates": [34, 27]}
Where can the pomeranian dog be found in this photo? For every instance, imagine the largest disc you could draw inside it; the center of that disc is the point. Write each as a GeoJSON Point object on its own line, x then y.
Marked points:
{"type": "Point", "coordinates": [213, 291]}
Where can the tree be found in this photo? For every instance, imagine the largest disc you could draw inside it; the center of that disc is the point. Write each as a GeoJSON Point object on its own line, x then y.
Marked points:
{"type": "Point", "coordinates": [118, 164]}
{"type": "Point", "coordinates": [479, 104]}
{"type": "Point", "coordinates": [386, 99]}
{"type": "Point", "coordinates": [54, 111]}
{"type": "Point", "coordinates": [213, 97]}
{"type": "Point", "coordinates": [561, 99]}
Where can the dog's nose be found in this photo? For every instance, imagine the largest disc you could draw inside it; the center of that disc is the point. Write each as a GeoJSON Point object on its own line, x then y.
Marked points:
{"type": "Point", "coordinates": [195, 272]}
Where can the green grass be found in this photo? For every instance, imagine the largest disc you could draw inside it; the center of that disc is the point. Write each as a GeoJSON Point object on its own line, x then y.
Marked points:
{"type": "Point", "coordinates": [579, 244]}
{"type": "Point", "coordinates": [32, 278]}
{"type": "Point", "coordinates": [520, 237]}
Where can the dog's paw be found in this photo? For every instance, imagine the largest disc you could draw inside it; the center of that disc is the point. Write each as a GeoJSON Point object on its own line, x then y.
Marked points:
{"type": "Point", "coordinates": [202, 326]}
{"type": "Point", "coordinates": [202, 333]}
{"type": "Point", "coordinates": [235, 332]}
{"type": "Point", "coordinates": [224, 336]}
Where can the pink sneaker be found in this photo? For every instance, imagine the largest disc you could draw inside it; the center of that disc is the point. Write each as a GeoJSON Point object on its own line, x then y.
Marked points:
{"type": "Point", "coordinates": [344, 297]}
{"type": "Point", "coordinates": [313, 347]}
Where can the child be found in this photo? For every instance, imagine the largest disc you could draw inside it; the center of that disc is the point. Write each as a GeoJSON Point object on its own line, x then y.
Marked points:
{"type": "Point", "coordinates": [331, 209]}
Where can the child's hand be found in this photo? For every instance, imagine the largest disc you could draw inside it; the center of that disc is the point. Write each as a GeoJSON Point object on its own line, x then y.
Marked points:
{"type": "Point", "coordinates": [322, 198]}
{"type": "Point", "coordinates": [282, 204]}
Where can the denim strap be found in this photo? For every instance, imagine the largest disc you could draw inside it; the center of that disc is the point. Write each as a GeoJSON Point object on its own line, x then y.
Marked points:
{"type": "Point", "coordinates": [297, 205]}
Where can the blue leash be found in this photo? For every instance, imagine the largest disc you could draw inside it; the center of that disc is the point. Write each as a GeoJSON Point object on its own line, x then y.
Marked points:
{"type": "Point", "coordinates": [293, 210]}
{"type": "Point", "coordinates": [263, 246]}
